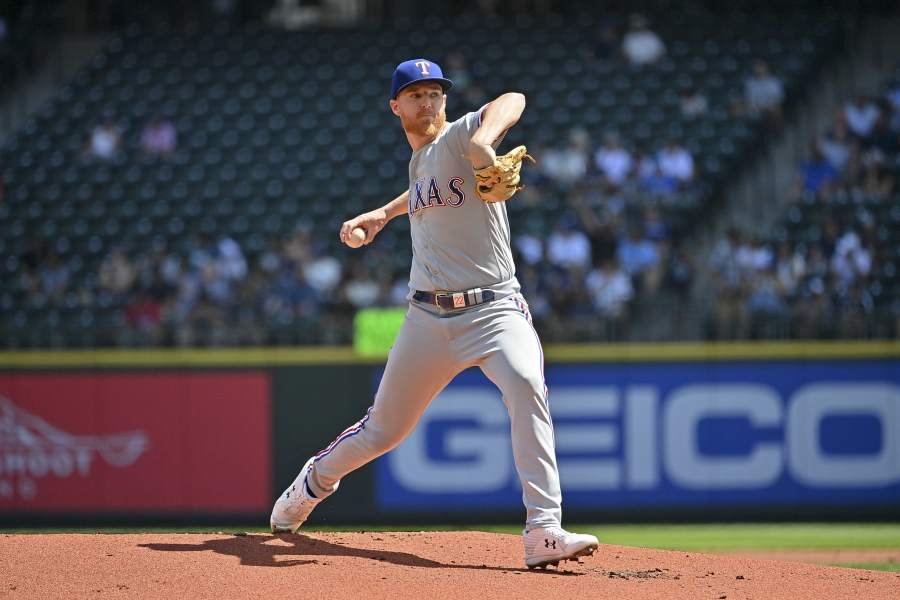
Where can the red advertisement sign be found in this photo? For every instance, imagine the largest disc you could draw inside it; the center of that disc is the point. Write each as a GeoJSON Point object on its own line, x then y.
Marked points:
{"type": "Point", "coordinates": [155, 442]}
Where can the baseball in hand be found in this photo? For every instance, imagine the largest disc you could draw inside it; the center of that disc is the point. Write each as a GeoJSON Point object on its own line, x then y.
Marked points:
{"type": "Point", "coordinates": [357, 237]}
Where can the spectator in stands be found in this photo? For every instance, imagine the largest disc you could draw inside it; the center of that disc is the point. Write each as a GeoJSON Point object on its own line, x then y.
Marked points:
{"type": "Point", "coordinates": [529, 247]}
{"type": "Point", "coordinates": [54, 275]}
{"type": "Point", "coordinates": [728, 287]}
{"type": "Point", "coordinates": [651, 179]}
{"type": "Point", "coordinates": [361, 289]}
{"type": "Point", "coordinates": [753, 256]}
{"type": "Point", "coordinates": [567, 166]}
{"type": "Point", "coordinates": [105, 140]}
{"type": "Point", "coordinates": [613, 161]}
{"type": "Point", "coordinates": [851, 262]}
{"type": "Point", "coordinates": [837, 144]}
{"type": "Point", "coordinates": [641, 45]}
{"type": "Point", "coordinates": [817, 172]}
{"type": "Point", "coordinates": [765, 303]}
{"type": "Point", "coordinates": [143, 316]}
{"type": "Point", "coordinates": [655, 228]}
{"type": "Point", "coordinates": [790, 270]}
{"type": "Point", "coordinates": [640, 259]}
{"type": "Point", "coordinates": [290, 296]}
{"type": "Point", "coordinates": [568, 247]}
{"type": "Point", "coordinates": [230, 263]}
{"type": "Point", "coordinates": [323, 273]}
{"type": "Point", "coordinates": [117, 275]}
{"type": "Point", "coordinates": [610, 289]}
{"type": "Point", "coordinates": [763, 92]}
{"type": "Point", "coordinates": [676, 162]}
{"type": "Point", "coordinates": [862, 114]}
{"type": "Point", "coordinates": [159, 138]}
{"type": "Point", "coordinates": [693, 104]}
{"type": "Point", "coordinates": [215, 286]}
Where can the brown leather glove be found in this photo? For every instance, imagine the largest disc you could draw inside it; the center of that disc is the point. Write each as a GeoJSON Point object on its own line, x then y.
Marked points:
{"type": "Point", "coordinates": [499, 181]}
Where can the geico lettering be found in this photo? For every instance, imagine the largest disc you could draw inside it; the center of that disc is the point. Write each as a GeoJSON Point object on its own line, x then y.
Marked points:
{"type": "Point", "coordinates": [687, 406]}
{"type": "Point", "coordinates": [478, 459]}
{"type": "Point", "coordinates": [607, 439]}
{"type": "Point", "coordinates": [812, 466]}
{"type": "Point", "coordinates": [571, 407]}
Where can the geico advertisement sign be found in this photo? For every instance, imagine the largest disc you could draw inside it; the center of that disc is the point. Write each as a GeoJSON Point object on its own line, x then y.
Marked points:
{"type": "Point", "coordinates": [641, 443]}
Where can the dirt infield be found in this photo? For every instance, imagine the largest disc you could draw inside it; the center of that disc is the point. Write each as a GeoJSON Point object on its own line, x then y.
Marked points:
{"type": "Point", "coordinates": [400, 566]}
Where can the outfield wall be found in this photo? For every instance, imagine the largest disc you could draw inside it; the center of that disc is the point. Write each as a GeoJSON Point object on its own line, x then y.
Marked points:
{"type": "Point", "coordinates": [759, 430]}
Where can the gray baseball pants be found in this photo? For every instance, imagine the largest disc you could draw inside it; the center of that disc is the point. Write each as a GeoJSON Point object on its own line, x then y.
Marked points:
{"type": "Point", "coordinates": [430, 350]}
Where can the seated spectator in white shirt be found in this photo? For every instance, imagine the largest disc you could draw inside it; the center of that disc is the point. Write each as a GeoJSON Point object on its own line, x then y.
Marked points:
{"type": "Point", "coordinates": [862, 114]}
{"type": "Point", "coordinates": [568, 246]}
{"type": "Point", "coordinates": [104, 141]}
{"type": "Point", "coordinates": [610, 289]}
{"type": "Point", "coordinates": [851, 260]}
{"type": "Point", "coordinates": [675, 161]}
{"type": "Point", "coordinates": [159, 138]}
{"type": "Point", "coordinates": [763, 91]}
{"type": "Point", "coordinates": [753, 256]}
{"type": "Point", "coordinates": [641, 45]}
{"type": "Point", "coordinates": [640, 260]}
{"type": "Point", "coordinates": [567, 166]}
{"type": "Point", "coordinates": [613, 161]}
{"type": "Point", "coordinates": [837, 143]}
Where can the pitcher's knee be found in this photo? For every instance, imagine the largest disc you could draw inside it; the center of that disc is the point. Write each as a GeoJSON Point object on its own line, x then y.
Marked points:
{"type": "Point", "coordinates": [381, 440]}
{"type": "Point", "coordinates": [526, 387]}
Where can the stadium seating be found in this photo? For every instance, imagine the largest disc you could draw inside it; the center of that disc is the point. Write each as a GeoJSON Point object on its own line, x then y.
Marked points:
{"type": "Point", "coordinates": [279, 129]}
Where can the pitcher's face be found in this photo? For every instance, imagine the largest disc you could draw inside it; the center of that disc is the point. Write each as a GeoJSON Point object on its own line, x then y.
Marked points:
{"type": "Point", "coordinates": [421, 108]}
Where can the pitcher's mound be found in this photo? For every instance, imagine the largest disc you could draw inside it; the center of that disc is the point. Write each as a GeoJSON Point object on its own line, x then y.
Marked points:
{"type": "Point", "coordinates": [399, 566]}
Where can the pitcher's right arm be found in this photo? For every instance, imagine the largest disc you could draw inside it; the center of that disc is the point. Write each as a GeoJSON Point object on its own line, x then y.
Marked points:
{"type": "Point", "coordinates": [374, 221]}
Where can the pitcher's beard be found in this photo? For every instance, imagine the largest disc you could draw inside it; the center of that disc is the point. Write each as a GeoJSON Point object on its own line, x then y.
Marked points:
{"type": "Point", "coordinates": [430, 130]}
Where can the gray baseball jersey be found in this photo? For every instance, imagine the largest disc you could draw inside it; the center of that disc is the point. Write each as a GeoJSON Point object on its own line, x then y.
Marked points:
{"type": "Point", "coordinates": [459, 242]}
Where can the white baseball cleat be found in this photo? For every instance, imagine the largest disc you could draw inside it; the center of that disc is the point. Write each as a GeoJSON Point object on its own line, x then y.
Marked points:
{"type": "Point", "coordinates": [293, 506]}
{"type": "Point", "coordinates": [549, 545]}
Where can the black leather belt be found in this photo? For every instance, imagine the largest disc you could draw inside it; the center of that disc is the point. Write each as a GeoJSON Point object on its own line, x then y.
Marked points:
{"type": "Point", "coordinates": [452, 300]}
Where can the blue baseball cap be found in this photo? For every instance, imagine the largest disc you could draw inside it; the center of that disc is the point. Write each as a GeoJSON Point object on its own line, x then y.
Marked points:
{"type": "Point", "coordinates": [414, 71]}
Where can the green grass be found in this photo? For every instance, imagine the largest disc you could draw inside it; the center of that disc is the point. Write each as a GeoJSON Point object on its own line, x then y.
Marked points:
{"type": "Point", "coordinates": [893, 567]}
{"type": "Point", "coordinates": [755, 536]}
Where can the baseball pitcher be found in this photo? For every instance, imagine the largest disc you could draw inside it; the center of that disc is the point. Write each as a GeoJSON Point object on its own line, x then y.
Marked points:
{"type": "Point", "coordinates": [465, 309]}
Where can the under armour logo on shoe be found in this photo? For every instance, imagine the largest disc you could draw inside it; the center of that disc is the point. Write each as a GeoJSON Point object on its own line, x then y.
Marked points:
{"type": "Point", "coordinates": [548, 543]}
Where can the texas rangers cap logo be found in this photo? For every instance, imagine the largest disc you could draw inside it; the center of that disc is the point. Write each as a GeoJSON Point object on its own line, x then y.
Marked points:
{"type": "Point", "coordinates": [416, 70]}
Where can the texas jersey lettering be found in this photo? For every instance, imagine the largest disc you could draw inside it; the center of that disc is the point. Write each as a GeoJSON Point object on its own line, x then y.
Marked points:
{"type": "Point", "coordinates": [423, 196]}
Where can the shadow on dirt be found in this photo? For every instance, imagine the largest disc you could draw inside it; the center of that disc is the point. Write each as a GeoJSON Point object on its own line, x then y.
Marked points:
{"type": "Point", "coordinates": [253, 551]}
